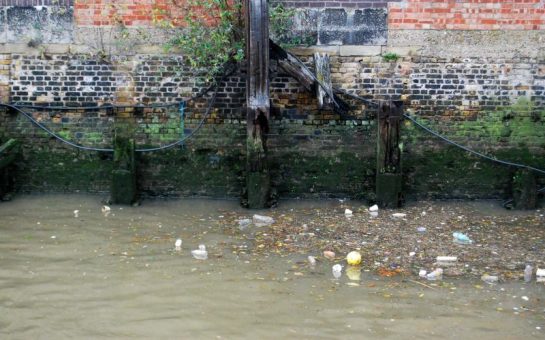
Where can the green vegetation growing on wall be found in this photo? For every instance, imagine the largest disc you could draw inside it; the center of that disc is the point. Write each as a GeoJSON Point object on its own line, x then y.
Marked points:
{"type": "Point", "coordinates": [212, 35]}
{"type": "Point", "coordinates": [212, 32]}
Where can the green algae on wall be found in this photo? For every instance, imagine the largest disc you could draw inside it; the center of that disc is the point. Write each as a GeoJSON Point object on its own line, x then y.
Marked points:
{"type": "Point", "coordinates": [436, 169]}
{"type": "Point", "coordinates": [57, 170]}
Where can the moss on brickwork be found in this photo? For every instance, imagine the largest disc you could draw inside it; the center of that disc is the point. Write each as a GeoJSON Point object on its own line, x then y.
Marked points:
{"type": "Point", "coordinates": [433, 168]}
{"type": "Point", "coordinates": [54, 170]}
{"type": "Point", "coordinates": [521, 124]}
{"type": "Point", "coordinates": [344, 174]}
{"type": "Point", "coordinates": [182, 171]}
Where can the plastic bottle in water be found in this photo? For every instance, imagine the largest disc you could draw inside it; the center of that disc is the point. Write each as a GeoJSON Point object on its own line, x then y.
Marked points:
{"type": "Point", "coordinates": [528, 271]}
{"type": "Point", "coordinates": [437, 274]}
{"type": "Point", "coordinates": [461, 238]}
{"type": "Point", "coordinates": [201, 253]}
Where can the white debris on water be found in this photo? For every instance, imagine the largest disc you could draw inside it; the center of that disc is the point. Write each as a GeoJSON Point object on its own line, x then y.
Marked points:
{"type": "Point", "coordinates": [262, 221]}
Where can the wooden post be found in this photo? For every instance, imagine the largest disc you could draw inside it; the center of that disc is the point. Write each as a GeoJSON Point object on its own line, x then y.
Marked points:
{"type": "Point", "coordinates": [258, 183]}
{"type": "Point", "coordinates": [8, 153]}
{"type": "Point", "coordinates": [123, 190]}
{"type": "Point", "coordinates": [524, 190]}
{"type": "Point", "coordinates": [323, 74]}
{"type": "Point", "coordinates": [389, 175]}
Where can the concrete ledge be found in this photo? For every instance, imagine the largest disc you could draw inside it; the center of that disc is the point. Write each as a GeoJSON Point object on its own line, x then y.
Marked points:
{"type": "Point", "coordinates": [350, 50]}
{"type": "Point", "coordinates": [8, 48]}
{"type": "Point", "coordinates": [470, 44]}
{"type": "Point", "coordinates": [339, 50]}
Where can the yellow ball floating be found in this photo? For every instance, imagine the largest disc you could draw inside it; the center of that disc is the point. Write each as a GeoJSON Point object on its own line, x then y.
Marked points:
{"type": "Point", "coordinates": [353, 258]}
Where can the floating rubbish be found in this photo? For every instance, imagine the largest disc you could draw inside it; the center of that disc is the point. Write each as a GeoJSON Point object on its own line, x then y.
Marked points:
{"type": "Point", "coordinates": [374, 208]}
{"type": "Point", "coordinates": [525, 298]}
{"type": "Point", "coordinates": [399, 215]}
{"type": "Point", "coordinates": [337, 271]}
{"type": "Point", "coordinates": [437, 274]}
{"type": "Point", "coordinates": [262, 221]}
{"type": "Point", "coordinates": [53, 237]}
{"type": "Point", "coordinates": [540, 275]}
{"type": "Point", "coordinates": [311, 260]}
{"type": "Point", "coordinates": [178, 244]}
{"type": "Point", "coordinates": [421, 229]}
{"type": "Point", "coordinates": [353, 273]}
{"type": "Point", "coordinates": [490, 278]}
{"type": "Point", "coordinates": [76, 213]}
{"type": "Point", "coordinates": [446, 260]}
{"type": "Point", "coordinates": [389, 272]}
{"type": "Point", "coordinates": [243, 223]}
{"type": "Point", "coordinates": [461, 238]}
{"type": "Point", "coordinates": [328, 254]}
{"type": "Point", "coordinates": [201, 253]}
{"type": "Point", "coordinates": [412, 253]}
{"type": "Point", "coordinates": [347, 212]}
{"type": "Point", "coordinates": [106, 210]}
{"type": "Point", "coordinates": [422, 273]}
{"type": "Point", "coordinates": [528, 271]}
{"type": "Point", "coordinates": [353, 258]}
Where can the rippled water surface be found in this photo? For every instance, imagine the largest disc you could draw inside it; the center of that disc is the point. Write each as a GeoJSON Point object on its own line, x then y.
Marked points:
{"type": "Point", "coordinates": [119, 276]}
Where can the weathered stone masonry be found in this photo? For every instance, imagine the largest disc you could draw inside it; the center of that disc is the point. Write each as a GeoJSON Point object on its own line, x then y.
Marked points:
{"type": "Point", "coordinates": [473, 70]}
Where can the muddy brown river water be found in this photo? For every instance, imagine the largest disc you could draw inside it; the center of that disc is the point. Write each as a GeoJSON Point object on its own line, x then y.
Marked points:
{"type": "Point", "coordinates": [119, 277]}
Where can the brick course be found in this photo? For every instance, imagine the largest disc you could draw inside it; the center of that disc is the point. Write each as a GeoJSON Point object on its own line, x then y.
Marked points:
{"type": "Point", "coordinates": [336, 4]}
{"type": "Point", "coordinates": [473, 101]}
{"type": "Point", "coordinates": [467, 15]}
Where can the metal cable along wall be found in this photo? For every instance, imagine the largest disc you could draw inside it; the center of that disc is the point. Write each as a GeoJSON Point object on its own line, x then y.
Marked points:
{"type": "Point", "coordinates": [449, 141]}
{"type": "Point", "coordinates": [180, 104]}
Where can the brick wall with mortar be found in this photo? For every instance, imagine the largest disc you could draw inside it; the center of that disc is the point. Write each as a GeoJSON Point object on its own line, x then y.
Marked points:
{"type": "Point", "coordinates": [467, 15]}
{"type": "Point", "coordinates": [309, 147]}
{"type": "Point", "coordinates": [482, 88]}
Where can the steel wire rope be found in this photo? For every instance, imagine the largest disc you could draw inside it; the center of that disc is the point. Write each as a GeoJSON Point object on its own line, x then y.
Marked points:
{"type": "Point", "coordinates": [89, 148]}
{"type": "Point", "coordinates": [465, 148]}
{"type": "Point", "coordinates": [46, 129]}
{"type": "Point", "coordinates": [214, 86]}
{"type": "Point", "coordinates": [436, 134]}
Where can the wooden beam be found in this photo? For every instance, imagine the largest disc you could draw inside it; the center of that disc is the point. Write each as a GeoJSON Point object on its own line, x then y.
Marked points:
{"type": "Point", "coordinates": [291, 65]}
{"type": "Point", "coordinates": [389, 174]}
{"type": "Point", "coordinates": [123, 185]}
{"type": "Point", "coordinates": [8, 153]}
{"type": "Point", "coordinates": [258, 184]}
{"type": "Point", "coordinates": [524, 190]}
{"type": "Point", "coordinates": [323, 74]}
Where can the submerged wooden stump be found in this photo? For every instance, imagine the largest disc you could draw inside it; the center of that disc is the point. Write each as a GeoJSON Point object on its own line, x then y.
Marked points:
{"type": "Point", "coordinates": [8, 153]}
{"type": "Point", "coordinates": [123, 186]}
{"type": "Point", "coordinates": [524, 190]}
{"type": "Point", "coordinates": [389, 175]}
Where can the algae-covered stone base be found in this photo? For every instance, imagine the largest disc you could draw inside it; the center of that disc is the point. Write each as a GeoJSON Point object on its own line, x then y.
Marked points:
{"type": "Point", "coordinates": [388, 190]}
{"type": "Point", "coordinates": [258, 186]}
{"type": "Point", "coordinates": [123, 187]}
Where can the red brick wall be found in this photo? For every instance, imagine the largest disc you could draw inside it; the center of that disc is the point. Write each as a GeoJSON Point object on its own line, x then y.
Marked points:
{"type": "Point", "coordinates": [467, 15]}
{"type": "Point", "coordinates": [335, 3]}
{"type": "Point", "coordinates": [126, 12]}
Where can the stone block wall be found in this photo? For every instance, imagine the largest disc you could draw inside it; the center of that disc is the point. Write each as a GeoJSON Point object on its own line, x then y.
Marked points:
{"type": "Point", "coordinates": [339, 22]}
{"type": "Point", "coordinates": [35, 22]}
